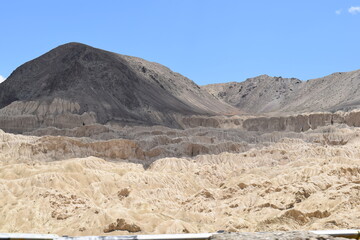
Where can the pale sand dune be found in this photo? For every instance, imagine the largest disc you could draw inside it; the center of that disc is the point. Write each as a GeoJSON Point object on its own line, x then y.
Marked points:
{"type": "Point", "coordinates": [290, 185]}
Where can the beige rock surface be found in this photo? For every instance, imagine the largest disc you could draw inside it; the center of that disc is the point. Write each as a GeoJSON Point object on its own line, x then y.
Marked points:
{"type": "Point", "coordinates": [288, 185]}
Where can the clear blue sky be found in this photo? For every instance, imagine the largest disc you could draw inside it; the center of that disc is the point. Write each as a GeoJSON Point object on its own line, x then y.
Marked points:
{"type": "Point", "coordinates": [206, 40]}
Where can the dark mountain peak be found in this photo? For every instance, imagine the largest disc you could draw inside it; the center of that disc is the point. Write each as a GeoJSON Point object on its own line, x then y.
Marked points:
{"type": "Point", "coordinates": [110, 86]}
{"type": "Point", "coordinates": [74, 46]}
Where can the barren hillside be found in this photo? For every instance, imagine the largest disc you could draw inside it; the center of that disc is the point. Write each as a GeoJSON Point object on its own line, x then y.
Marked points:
{"type": "Point", "coordinates": [75, 84]}
{"type": "Point", "coordinates": [264, 94]}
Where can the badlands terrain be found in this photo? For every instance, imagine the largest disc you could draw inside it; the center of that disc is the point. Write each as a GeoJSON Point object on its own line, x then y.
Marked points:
{"type": "Point", "coordinates": [98, 143]}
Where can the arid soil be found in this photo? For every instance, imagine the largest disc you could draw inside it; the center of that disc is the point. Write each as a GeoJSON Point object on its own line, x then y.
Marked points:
{"type": "Point", "coordinates": [288, 185]}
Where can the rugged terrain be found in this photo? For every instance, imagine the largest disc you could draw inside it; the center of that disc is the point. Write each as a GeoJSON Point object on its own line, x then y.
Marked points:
{"type": "Point", "coordinates": [292, 184]}
{"type": "Point", "coordinates": [265, 94]}
{"type": "Point", "coordinates": [112, 144]}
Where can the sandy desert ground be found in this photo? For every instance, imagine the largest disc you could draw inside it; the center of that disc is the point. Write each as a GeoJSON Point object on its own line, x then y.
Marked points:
{"type": "Point", "coordinates": [288, 185]}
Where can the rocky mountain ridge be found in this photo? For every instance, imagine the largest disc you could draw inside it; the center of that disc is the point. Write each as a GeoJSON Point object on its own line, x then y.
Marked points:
{"type": "Point", "coordinates": [265, 94]}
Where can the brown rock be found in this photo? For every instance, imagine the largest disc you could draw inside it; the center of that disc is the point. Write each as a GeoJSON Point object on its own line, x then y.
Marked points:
{"type": "Point", "coordinates": [120, 224]}
{"type": "Point", "coordinates": [123, 193]}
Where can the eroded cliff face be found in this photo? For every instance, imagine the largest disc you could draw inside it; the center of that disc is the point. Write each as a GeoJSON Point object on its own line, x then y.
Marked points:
{"type": "Point", "coordinates": [20, 116]}
{"type": "Point", "coordinates": [145, 145]}
{"type": "Point", "coordinates": [293, 123]}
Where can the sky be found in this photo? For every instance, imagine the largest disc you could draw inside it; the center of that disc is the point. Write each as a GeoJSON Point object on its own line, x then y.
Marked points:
{"type": "Point", "coordinates": [208, 41]}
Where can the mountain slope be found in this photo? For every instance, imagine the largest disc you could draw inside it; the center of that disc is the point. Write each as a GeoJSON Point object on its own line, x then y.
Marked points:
{"type": "Point", "coordinates": [78, 79]}
{"type": "Point", "coordinates": [264, 94]}
{"type": "Point", "coordinates": [338, 91]}
{"type": "Point", "coordinates": [256, 95]}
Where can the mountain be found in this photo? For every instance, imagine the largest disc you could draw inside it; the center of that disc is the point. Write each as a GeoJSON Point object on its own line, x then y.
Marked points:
{"type": "Point", "coordinates": [256, 95]}
{"type": "Point", "coordinates": [338, 91]}
{"type": "Point", "coordinates": [76, 84]}
{"type": "Point", "coordinates": [265, 94]}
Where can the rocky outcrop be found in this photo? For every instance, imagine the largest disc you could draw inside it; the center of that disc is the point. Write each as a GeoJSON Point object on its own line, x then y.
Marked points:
{"type": "Point", "coordinates": [140, 149]}
{"type": "Point", "coordinates": [51, 148]}
{"type": "Point", "coordinates": [122, 225]}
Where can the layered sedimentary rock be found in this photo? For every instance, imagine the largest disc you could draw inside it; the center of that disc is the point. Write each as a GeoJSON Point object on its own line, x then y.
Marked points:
{"type": "Point", "coordinates": [23, 116]}
{"type": "Point", "coordinates": [265, 123]}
